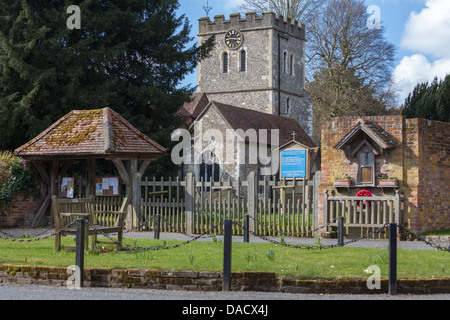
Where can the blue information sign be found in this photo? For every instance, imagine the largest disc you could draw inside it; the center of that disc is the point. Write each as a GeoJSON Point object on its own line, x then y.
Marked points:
{"type": "Point", "coordinates": [293, 163]}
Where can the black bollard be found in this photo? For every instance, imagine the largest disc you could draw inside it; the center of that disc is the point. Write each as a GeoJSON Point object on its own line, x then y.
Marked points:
{"type": "Point", "coordinates": [157, 225]}
{"type": "Point", "coordinates": [392, 258]}
{"type": "Point", "coordinates": [246, 230]}
{"type": "Point", "coordinates": [341, 231]}
{"type": "Point", "coordinates": [226, 286]}
{"type": "Point", "coordinates": [79, 253]}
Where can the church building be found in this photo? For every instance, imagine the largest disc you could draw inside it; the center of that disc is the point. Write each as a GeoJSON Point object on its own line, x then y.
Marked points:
{"type": "Point", "coordinates": [253, 79]}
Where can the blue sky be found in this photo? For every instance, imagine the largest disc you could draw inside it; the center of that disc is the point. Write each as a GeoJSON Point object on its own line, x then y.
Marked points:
{"type": "Point", "coordinates": [419, 29]}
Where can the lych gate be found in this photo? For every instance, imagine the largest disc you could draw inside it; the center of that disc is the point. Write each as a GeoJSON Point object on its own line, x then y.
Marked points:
{"type": "Point", "coordinates": [90, 135]}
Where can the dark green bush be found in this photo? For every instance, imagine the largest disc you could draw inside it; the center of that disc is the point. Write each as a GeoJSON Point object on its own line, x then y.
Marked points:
{"type": "Point", "coordinates": [16, 177]}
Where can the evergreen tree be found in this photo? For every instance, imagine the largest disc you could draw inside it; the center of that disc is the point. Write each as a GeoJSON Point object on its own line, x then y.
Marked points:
{"type": "Point", "coordinates": [128, 55]}
{"type": "Point", "coordinates": [443, 101]}
{"type": "Point", "coordinates": [429, 101]}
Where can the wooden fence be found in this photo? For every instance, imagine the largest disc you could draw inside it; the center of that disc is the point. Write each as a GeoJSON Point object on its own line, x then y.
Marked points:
{"type": "Point", "coordinates": [165, 198]}
{"type": "Point", "coordinates": [371, 212]}
{"type": "Point", "coordinates": [188, 206]}
{"type": "Point", "coordinates": [283, 207]}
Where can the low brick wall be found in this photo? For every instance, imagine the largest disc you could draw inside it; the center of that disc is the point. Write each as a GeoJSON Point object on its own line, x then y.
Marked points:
{"type": "Point", "coordinates": [208, 281]}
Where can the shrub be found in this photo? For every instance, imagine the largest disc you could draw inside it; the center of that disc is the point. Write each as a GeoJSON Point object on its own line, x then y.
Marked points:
{"type": "Point", "coordinates": [16, 177]}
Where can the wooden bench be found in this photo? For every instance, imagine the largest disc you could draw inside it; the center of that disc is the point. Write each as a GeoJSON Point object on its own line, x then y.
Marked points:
{"type": "Point", "coordinates": [66, 211]}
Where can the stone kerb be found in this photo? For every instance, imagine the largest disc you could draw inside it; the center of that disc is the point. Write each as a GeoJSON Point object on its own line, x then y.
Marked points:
{"type": "Point", "coordinates": [209, 281]}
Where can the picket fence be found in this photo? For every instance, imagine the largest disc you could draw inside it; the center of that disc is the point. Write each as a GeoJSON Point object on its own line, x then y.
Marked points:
{"type": "Point", "coordinates": [275, 207]}
{"type": "Point", "coordinates": [284, 207]}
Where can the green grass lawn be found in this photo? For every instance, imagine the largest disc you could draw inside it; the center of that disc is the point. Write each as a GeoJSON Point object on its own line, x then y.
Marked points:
{"type": "Point", "coordinates": [198, 255]}
{"type": "Point", "coordinates": [445, 232]}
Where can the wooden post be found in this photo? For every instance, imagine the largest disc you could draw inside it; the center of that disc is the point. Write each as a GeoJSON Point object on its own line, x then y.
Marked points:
{"type": "Point", "coordinates": [190, 202]}
{"type": "Point", "coordinates": [136, 199]}
{"type": "Point", "coordinates": [90, 184]}
{"type": "Point", "coordinates": [252, 201]}
{"type": "Point", "coordinates": [397, 207]}
{"type": "Point", "coordinates": [325, 207]}
{"type": "Point", "coordinates": [317, 177]}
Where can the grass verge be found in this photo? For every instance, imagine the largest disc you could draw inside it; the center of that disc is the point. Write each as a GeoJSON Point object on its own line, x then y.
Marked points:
{"type": "Point", "coordinates": [441, 233]}
{"type": "Point", "coordinates": [333, 263]}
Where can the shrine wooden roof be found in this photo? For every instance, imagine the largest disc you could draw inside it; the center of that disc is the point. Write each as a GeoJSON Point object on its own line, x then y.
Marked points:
{"type": "Point", "coordinates": [98, 133]}
{"type": "Point", "coordinates": [372, 130]}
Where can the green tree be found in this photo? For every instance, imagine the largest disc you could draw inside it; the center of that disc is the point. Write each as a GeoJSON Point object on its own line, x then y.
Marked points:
{"type": "Point", "coordinates": [350, 64]}
{"type": "Point", "coordinates": [128, 55]}
{"type": "Point", "coordinates": [429, 101]}
{"type": "Point", "coordinates": [300, 10]}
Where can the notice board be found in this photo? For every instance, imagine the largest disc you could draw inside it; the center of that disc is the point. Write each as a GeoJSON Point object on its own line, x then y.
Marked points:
{"type": "Point", "coordinates": [107, 186]}
{"type": "Point", "coordinates": [67, 187]}
{"type": "Point", "coordinates": [293, 163]}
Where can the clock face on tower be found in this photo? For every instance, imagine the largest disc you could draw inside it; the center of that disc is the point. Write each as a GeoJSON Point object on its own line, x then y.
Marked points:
{"type": "Point", "coordinates": [233, 39]}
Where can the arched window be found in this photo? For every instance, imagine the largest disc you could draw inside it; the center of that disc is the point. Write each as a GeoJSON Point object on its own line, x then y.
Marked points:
{"type": "Point", "coordinates": [288, 106]}
{"type": "Point", "coordinates": [243, 65]}
{"type": "Point", "coordinates": [209, 169]}
{"type": "Point", "coordinates": [291, 64]}
{"type": "Point", "coordinates": [225, 62]}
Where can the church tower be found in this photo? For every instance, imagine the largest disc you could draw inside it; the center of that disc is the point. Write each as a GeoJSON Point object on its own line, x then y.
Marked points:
{"type": "Point", "coordinates": [258, 63]}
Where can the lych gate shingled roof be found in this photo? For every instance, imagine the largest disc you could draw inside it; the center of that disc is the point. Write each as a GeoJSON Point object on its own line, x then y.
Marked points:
{"type": "Point", "coordinates": [95, 133]}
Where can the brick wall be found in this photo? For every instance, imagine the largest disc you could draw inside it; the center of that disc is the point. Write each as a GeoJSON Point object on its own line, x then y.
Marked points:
{"type": "Point", "coordinates": [20, 210]}
{"type": "Point", "coordinates": [434, 175]}
{"type": "Point", "coordinates": [420, 162]}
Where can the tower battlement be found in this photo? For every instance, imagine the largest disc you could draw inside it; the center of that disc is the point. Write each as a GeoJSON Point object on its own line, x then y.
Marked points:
{"type": "Point", "coordinates": [251, 21]}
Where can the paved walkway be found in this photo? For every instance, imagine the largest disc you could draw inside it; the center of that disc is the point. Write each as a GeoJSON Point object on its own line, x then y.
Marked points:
{"type": "Point", "coordinates": [382, 244]}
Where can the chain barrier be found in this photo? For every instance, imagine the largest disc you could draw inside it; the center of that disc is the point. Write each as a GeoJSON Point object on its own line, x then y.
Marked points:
{"type": "Point", "coordinates": [293, 234]}
{"type": "Point", "coordinates": [151, 248]}
{"type": "Point", "coordinates": [300, 246]}
{"type": "Point", "coordinates": [405, 231]}
{"type": "Point", "coordinates": [146, 222]}
{"type": "Point", "coordinates": [37, 238]}
{"type": "Point", "coordinates": [408, 232]}
{"type": "Point", "coordinates": [367, 235]}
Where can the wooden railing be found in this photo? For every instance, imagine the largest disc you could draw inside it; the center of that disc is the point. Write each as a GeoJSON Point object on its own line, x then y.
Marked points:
{"type": "Point", "coordinates": [374, 211]}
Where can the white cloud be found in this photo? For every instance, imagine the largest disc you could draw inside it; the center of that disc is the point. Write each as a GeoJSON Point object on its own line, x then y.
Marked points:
{"type": "Point", "coordinates": [428, 32]}
{"type": "Point", "coordinates": [417, 69]}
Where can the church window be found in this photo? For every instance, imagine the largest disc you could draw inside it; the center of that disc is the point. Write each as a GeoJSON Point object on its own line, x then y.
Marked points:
{"type": "Point", "coordinates": [288, 106]}
{"type": "Point", "coordinates": [225, 62]}
{"type": "Point", "coordinates": [209, 169]}
{"type": "Point", "coordinates": [243, 61]}
{"type": "Point", "coordinates": [285, 62]}
{"type": "Point", "coordinates": [291, 64]}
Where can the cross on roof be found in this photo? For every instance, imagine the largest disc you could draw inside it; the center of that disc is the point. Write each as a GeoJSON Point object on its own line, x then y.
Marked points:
{"type": "Point", "coordinates": [293, 134]}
